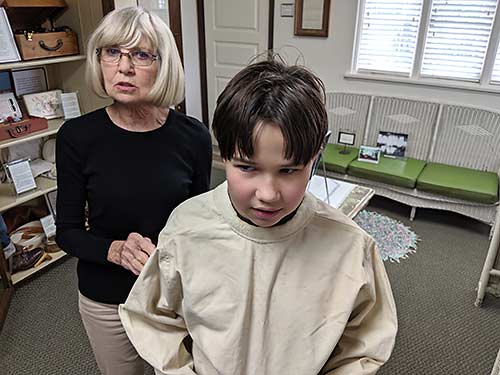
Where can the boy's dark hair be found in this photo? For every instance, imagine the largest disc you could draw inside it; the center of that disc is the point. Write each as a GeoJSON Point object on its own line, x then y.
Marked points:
{"type": "Point", "coordinates": [291, 97]}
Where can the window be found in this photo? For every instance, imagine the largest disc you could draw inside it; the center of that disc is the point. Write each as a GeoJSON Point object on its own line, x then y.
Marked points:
{"type": "Point", "coordinates": [495, 76]}
{"type": "Point", "coordinates": [428, 39]}
{"type": "Point", "coordinates": [389, 35]}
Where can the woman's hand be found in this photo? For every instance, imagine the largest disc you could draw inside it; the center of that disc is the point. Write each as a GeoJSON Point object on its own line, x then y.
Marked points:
{"type": "Point", "coordinates": [131, 254]}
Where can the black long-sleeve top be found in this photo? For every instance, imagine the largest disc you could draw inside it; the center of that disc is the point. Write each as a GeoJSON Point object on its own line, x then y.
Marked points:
{"type": "Point", "coordinates": [131, 180]}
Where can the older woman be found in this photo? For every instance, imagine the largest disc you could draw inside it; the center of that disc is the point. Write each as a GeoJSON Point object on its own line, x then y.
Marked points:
{"type": "Point", "coordinates": [132, 162]}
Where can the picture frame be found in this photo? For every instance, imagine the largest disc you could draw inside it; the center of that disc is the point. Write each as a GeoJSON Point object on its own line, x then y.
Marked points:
{"type": "Point", "coordinates": [369, 154]}
{"type": "Point", "coordinates": [346, 138]}
{"type": "Point", "coordinates": [392, 144]}
{"type": "Point", "coordinates": [46, 104]}
{"type": "Point", "coordinates": [286, 10]}
{"type": "Point", "coordinates": [312, 17]}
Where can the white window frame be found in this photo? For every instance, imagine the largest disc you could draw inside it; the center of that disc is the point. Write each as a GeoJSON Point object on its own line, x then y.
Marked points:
{"type": "Point", "coordinates": [484, 84]}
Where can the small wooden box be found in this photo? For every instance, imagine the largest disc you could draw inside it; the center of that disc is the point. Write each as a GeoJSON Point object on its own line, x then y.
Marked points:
{"type": "Point", "coordinates": [26, 18]}
{"type": "Point", "coordinates": [41, 45]}
{"type": "Point", "coordinates": [22, 128]}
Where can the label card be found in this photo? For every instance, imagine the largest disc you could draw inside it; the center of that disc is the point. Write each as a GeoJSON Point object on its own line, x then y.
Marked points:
{"type": "Point", "coordinates": [70, 105]}
{"type": "Point", "coordinates": [48, 225]}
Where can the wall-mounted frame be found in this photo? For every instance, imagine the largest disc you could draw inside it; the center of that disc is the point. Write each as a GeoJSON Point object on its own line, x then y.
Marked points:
{"type": "Point", "coordinates": [312, 17]}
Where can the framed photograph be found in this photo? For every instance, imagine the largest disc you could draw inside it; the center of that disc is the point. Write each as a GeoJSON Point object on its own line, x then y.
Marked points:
{"type": "Point", "coordinates": [392, 144]}
{"type": "Point", "coordinates": [312, 17]}
{"type": "Point", "coordinates": [346, 138]}
{"type": "Point", "coordinates": [46, 104]}
{"type": "Point", "coordinates": [369, 154]}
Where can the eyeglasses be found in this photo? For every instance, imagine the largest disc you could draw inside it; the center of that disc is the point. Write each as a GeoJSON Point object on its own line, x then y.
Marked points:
{"type": "Point", "coordinates": [137, 57]}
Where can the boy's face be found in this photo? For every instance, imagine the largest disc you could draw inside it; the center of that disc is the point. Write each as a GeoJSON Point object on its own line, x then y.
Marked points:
{"type": "Point", "coordinates": [267, 187]}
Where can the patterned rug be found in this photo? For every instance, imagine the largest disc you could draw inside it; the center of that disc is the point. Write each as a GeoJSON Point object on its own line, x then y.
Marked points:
{"type": "Point", "coordinates": [394, 239]}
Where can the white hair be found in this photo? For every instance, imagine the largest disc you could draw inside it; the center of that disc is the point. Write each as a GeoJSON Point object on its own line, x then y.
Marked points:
{"type": "Point", "coordinates": [127, 27]}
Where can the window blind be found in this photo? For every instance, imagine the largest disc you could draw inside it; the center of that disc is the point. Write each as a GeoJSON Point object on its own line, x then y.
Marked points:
{"type": "Point", "coordinates": [495, 75]}
{"type": "Point", "coordinates": [457, 38]}
{"type": "Point", "coordinates": [389, 35]}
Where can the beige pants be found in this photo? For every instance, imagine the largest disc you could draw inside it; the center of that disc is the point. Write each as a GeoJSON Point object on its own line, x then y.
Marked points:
{"type": "Point", "coordinates": [113, 351]}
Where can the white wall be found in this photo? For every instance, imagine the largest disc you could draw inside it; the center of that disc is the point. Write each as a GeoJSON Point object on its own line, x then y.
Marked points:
{"type": "Point", "coordinates": [124, 3]}
{"type": "Point", "coordinates": [191, 53]}
{"type": "Point", "coordinates": [330, 58]}
{"type": "Point", "coordinates": [191, 58]}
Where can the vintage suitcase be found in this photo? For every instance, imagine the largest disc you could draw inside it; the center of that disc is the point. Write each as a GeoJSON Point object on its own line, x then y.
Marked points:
{"type": "Point", "coordinates": [40, 45]}
{"type": "Point", "coordinates": [27, 125]}
{"type": "Point", "coordinates": [34, 41]}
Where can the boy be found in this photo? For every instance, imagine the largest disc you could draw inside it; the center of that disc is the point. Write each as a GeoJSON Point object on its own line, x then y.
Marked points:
{"type": "Point", "coordinates": [264, 278]}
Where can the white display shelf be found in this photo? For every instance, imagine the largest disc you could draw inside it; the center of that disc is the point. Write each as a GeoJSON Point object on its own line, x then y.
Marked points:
{"type": "Point", "coordinates": [8, 199]}
{"type": "Point", "coordinates": [41, 62]}
{"type": "Point", "coordinates": [53, 128]}
{"type": "Point", "coordinates": [19, 276]}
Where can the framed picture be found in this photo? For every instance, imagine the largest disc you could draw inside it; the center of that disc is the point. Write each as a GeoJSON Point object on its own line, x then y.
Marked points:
{"type": "Point", "coordinates": [286, 10]}
{"type": "Point", "coordinates": [369, 154]}
{"type": "Point", "coordinates": [312, 17]}
{"type": "Point", "coordinates": [392, 144]}
{"type": "Point", "coordinates": [46, 104]}
{"type": "Point", "coordinates": [346, 138]}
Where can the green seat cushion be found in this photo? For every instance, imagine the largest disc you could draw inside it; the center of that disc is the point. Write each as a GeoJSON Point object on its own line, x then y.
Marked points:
{"type": "Point", "coordinates": [399, 172]}
{"type": "Point", "coordinates": [337, 162]}
{"type": "Point", "coordinates": [458, 182]}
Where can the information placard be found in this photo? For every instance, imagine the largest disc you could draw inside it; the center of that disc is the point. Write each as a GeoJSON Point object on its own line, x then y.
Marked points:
{"type": "Point", "coordinates": [48, 225]}
{"type": "Point", "coordinates": [21, 175]}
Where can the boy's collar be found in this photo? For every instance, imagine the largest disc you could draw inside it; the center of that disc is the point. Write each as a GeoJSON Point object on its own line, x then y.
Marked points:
{"type": "Point", "coordinates": [283, 220]}
{"type": "Point", "coordinates": [298, 220]}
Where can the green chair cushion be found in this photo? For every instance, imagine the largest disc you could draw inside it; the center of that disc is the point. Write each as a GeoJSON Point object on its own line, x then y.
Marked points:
{"type": "Point", "coordinates": [337, 162]}
{"type": "Point", "coordinates": [458, 182]}
{"type": "Point", "coordinates": [399, 172]}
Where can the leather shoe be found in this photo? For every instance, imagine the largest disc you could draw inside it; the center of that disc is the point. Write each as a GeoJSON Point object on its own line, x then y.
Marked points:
{"type": "Point", "coordinates": [24, 260]}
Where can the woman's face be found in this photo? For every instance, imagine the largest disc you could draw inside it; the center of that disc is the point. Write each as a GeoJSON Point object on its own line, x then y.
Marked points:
{"type": "Point", "coordinates": [126, 82]}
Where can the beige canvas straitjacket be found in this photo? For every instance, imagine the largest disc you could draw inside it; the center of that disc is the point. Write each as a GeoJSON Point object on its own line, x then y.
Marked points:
{"type": "Point", "coordinates": [307, 297]}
